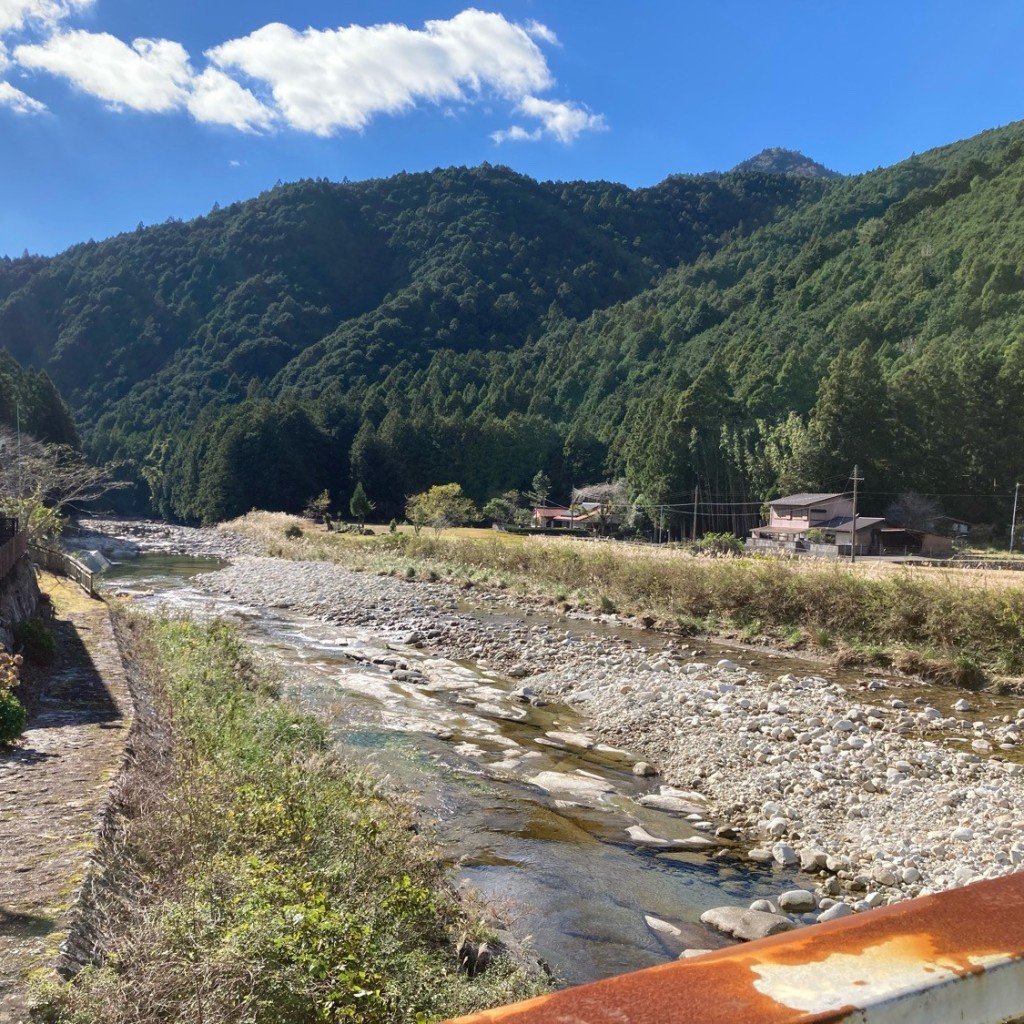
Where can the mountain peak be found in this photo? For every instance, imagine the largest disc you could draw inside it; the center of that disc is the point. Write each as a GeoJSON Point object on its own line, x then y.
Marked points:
{"type": "Point", "coordinates": [786, 161]}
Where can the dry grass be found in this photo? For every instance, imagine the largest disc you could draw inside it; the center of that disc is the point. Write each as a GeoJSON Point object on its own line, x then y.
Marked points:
{"type": "Point", "coordinates": [971, 617]}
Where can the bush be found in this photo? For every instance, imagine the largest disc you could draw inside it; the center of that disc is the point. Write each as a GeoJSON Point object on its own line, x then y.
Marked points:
{"type": "Point", "coordinates": [36, 641]}
{"type": "Point", "coordinates": [293, 532]}
{"type": "Point", "coordinates": [12, 718]}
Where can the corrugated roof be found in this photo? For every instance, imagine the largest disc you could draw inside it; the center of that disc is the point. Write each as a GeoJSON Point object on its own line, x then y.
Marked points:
{"type": "Point", "coordinates": [804, 499]}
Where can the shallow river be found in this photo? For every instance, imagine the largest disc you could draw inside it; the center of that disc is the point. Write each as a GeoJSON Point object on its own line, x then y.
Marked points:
{"type": "Point", "coordinates": [558, 866]}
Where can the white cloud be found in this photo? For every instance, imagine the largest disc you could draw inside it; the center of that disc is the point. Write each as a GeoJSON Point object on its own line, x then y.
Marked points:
{"type": "Point", "coordinates": [562, 121]}
{"type": "Point", "coordinates": [18, 101]}
{"type": "Point", "coordinates": [318, 81]}
{"type": "Point", "coordinates": [517, 133]}
{"type": "Point", "coordinates": [15, 14]}
{"type": "Point", "coordinates": [150, 75]}
{"type": "Point", "coordinates": [323, 81]}
{"type": "Point", "coordinates": [217, 99]}
{"type": "Point", "coordinates": [542, 32]}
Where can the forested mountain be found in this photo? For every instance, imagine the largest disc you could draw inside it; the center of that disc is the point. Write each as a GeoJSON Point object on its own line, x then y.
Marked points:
{"type": "Point", "coordinates": [786, 161]}
{"type": "Point", "coordinates": [743, 333]}
{"type": "Point", "coordinates": [30, 403]}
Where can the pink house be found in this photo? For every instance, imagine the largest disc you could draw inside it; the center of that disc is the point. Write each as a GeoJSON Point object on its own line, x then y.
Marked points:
{"type": "Point", "coordinates": [829, 515]}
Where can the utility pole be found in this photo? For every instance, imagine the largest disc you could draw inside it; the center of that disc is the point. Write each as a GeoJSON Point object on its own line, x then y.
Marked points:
{"type": "Point", "coordinates": [1013, 521]}
{"type": "Point", "coordinates": [17, 406]}
{"type": "Point", "coordinates": [857, 478]}
{"type": "Point", "coordinates": [696, 497]}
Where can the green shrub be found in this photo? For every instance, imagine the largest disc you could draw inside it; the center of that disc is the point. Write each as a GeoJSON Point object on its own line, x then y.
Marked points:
{"type": "Point", "coordinates": [12, 718]}
{"type": "Point", "coordinates": [294, 531]}
{"type": "Point", "coordinates": [36, 641]}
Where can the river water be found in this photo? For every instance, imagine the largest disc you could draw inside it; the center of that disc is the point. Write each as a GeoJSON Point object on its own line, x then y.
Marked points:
{"type": "Point", "coordinates": [557, 865]}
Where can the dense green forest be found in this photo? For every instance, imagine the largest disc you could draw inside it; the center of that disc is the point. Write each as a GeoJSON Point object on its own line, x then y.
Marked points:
{"type": "Point", "coordinates": [743, 334]}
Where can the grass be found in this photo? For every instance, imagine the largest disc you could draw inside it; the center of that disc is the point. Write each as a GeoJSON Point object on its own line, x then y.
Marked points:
{"type": "Point", "coordinates": [257, 879]}
{"type": "Point", "coordinates": [966, 618]}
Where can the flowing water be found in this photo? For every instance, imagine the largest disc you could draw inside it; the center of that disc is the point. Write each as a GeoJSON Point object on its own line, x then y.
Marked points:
{"type": "Point", "coordinates": [557, 864]}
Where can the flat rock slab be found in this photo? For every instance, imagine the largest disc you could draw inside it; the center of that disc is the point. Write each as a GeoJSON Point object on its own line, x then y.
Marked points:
{"type": "Point", "coordinates": [745, 925]}
{"type": "Point", "coordinates": [563, 782]}
{"type": "Point", "coordinates": [639, 835]}
{"type": "Point", "coordinates": [675, 804]}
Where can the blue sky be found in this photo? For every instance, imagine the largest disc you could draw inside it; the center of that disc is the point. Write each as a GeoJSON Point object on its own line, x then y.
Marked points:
{"type": "Point", "coordinates": [115, 112]}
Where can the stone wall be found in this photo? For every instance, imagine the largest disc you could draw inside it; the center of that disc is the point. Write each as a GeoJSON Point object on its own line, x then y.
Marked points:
{"type": "Point", "coordinates": [19, 598]}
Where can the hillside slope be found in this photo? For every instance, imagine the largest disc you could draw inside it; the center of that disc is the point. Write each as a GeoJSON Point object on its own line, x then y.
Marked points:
{"type": "Point", "coordinates": [739, 333]}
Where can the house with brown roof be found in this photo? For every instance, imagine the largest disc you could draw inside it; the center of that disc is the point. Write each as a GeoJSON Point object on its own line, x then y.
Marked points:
{"type": "Point", "coordinates": [817, 523]}
{"type": "Point", "coordinates": [823, 524]}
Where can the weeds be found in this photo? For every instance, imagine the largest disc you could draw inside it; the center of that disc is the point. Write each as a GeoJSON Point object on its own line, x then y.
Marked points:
{"type": "Point", "coordinates": [265, 881]}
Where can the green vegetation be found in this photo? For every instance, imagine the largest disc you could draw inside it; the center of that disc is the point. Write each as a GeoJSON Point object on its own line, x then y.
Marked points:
{"type": "Point", "coordinates": [360, 505]}
{"type": "Point", "coordinates": [12, 712]}
{"type": "Point", "coordinates": [441, 507]}
{"type": "Point", "coordinates": [259, 879]}
{"type": "Point", "coordinates": [36, 640]}
{"type": "Point", "coordinates": [734, 336]}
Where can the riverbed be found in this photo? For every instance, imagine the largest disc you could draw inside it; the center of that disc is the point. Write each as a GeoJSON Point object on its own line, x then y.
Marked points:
{"type": "Point", "coordinates": [526, 737]}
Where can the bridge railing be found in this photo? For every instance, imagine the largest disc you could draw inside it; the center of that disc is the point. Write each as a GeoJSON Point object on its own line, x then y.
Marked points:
{"type": "Point", "coordinates": [954, 956]}
{"type": "Point", "coordinates": [63, 564]}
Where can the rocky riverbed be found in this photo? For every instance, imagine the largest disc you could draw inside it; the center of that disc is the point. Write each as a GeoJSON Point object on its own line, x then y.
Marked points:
{"type": "Point", "coordinates": [876, 791]}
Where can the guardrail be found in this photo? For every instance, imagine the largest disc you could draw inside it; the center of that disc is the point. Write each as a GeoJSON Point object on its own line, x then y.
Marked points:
{"type": "Point", "coordinates": [955, 956]}
{"type": "Point", "coordinates": [10, 552]}
{"type": "Point", "coordinates": [63, 564]}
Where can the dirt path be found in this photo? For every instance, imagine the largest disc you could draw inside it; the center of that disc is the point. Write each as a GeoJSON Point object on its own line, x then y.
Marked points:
{"type": "Point", "coordinates": [52, 787]}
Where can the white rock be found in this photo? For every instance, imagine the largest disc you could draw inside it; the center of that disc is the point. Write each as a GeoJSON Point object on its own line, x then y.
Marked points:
{"type": "Point", "coordinates": [785, 855]}
{"type": "Point", "coordinates": [836, 911]}
{"type": "Point", "coordinates": [797, 901]}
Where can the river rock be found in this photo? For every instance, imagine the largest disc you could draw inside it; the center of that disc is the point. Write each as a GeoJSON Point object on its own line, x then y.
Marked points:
{"type": "Point", "coordinates": [669, 803]}
{"type": "Point", "coordinates": [561, 782]}
{"type": "Point", "coordinates": [797, 901]}
{"type": "Point", "coordinates": [836, 911]}
{"type": "Point", "coordinates": [785, 855]}
{"type": "Point", "coordinates": [745, 925]}
{"type": "Point", "coordinates": [656, 924]}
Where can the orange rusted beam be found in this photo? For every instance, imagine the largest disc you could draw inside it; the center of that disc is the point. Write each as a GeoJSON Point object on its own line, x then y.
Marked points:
{"type": "Point", "coordinates": [955, 956]}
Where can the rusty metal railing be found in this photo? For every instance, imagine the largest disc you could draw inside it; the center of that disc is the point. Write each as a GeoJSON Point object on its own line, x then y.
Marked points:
{"type": "Point", "coordinates": [954, 956]}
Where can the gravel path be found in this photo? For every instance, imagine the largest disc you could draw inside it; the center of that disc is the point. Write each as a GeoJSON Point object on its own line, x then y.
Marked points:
{"type": "Point", "coordinates": [53, 786]}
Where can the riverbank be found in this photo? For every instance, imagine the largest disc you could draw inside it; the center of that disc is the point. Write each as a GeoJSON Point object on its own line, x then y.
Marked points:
{"type": "Point", "coordinates": [246, 874]}
{"type": "Point", "coordinates": [883, 788]}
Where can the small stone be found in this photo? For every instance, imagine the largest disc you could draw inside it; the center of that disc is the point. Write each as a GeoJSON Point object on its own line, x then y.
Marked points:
{"type": "Point", "coordinates": [644, 769]}
{"type": "Point", "coordinates": [797, 901]}
{"type": "Point", "coordinates": [764, 906]}
{"type": "Point", "coordinates": [834, 912]}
